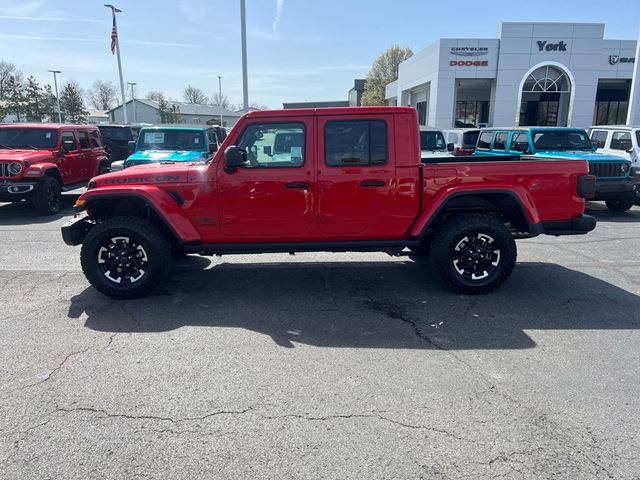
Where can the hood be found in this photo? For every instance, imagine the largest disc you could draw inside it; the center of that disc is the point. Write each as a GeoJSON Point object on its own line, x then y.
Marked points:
{"type": "Point", "coordinates": [152, 173]}
{"type": "Point", "coordinates": [435, 153]}
{"type": "Point", "coordinates": [147, 156]}
{"type": "Point", "coordinates": [28, 155]}
{"type": "Point", "coordinates": [582, 155]}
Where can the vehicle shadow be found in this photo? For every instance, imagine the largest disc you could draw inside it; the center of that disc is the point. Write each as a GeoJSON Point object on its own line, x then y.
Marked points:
{"type": "Point", "coordinates": [23, 213]}
{"type": "Point", "coordinates": [602, 214]}
{"type": "Point", "coordinates": [365, 305]}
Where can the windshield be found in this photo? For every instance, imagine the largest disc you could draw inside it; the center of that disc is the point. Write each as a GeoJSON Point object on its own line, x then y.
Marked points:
{"type": "Point", "coordinates": [561, 140]}
{"type": "Point", "coordinates": [171, 139]}
{"type": "Point", "coordinates": [431, 141]}
{"type": "Point", "coordinates": [469, 139]}
{"type": "Point", "coordinates": [28, 138]}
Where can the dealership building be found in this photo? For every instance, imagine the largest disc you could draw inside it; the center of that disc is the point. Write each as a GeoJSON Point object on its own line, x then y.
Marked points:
{"type": "Point", "coordinates": [555, 74]}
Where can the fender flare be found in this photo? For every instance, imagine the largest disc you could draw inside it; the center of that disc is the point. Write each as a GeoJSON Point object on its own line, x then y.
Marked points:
{"type": "Point", "coordinates": [160, 201]}
{"type": "Point", "coordinates": [439, 202]}
{"type": "Point", "coordinates": [41, 169]}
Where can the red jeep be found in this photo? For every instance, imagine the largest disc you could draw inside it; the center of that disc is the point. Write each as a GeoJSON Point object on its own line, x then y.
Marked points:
{"type": "Point", "coordinates": [40, 161]}
{"type": "Point", "coordinates": [340, 179]}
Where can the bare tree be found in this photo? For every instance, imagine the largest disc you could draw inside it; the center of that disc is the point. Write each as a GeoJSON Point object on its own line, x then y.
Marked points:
{"type": "Point", "coordinates": [7, 71]}
{"type": "Point", "coordinates": [193, 94]}
{"type": "Point", "coordinates": [102, 95]}
{"type": "Point", "coordinates": [223, 100]}
{"type": "Point", "coordinates": [156, 95]}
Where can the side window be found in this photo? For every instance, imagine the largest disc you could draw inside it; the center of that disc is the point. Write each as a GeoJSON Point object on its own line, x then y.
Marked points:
{"type": "Point", "coordinates": [83, 136]}
{"type": "Point", "coordinates": [520, 142]}
{"type": "Point", "coordinates": [68, 136]}
{"type": "Point", "coordinates": [500, 142]}
{"type": "Point", "coordinates": [273, 145]}
{"type": "Point", "coordinates": [599, 138]}
{"type": "Point", "coordinates": [621, 141]}
{"type": "Point", "coordinates": [484, 141]}
{"type": "Point", "coordinates": [355, 142]}
{"type": "Point", "coordinates": [95, 138]}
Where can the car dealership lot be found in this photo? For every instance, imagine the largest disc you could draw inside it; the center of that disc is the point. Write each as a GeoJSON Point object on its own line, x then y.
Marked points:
{"type": "Point", "coordinates": [322, 365]}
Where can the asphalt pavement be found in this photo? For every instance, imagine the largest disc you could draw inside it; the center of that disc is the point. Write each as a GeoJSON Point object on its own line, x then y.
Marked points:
{"type": "Point", "coordinates": [321, 366]}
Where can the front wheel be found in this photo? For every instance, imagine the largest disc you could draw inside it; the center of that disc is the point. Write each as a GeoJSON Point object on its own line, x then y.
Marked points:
{"type": "Point", "coordinates": [125, 257]}
{"type": "Point", "coordinates": [47, 196]}
{"type": "Point", "coordinates": [621, 204]}
{"type": "Point", "coordinates": [473, 253]}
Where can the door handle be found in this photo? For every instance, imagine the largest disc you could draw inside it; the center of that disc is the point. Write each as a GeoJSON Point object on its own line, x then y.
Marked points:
{"type": "Point", "coordinates": [372, 183]}
{"type": "Point", "coordinates": [303, 185]}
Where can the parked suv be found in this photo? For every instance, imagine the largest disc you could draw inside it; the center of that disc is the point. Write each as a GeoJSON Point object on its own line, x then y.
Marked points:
{"type": "Point", "coordinates": [615, 179]}
{"type": "Point", "coordinates": [173, 143]}
{"type": "Point", "coordinates": [432, 143]}
{"type": "Point", "coordinates": [620, 140]}
{"type": "Point", "coordinates": [116, 139]}
{"type": "Point", "coordinates": [464, 139]}
{"type": "Point", "coordinates": [40, 161]}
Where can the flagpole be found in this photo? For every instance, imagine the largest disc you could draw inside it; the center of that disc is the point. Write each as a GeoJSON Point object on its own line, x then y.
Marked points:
{"type": "Point", "coordinates": [124, 98]}
{"type": "Point", "coordinates": [243, 33]}
{"type": "Point", "coordinates": [633, 113]}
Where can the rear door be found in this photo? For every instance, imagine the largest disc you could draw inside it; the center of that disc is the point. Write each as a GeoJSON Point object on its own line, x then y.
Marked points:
{"type": "Point", "coordinates": [72, 161]}
{"type": "Point", "coordinates": [621, 144]}
{"type": "Point", "coordinates": [356, 172]}
{"type": "Point", "coordinates": [272, 195]}
{"type": "Point", "coordinates": [86, 156]}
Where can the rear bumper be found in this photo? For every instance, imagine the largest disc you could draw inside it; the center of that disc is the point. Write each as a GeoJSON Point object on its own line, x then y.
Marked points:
{"type": "Point", "coordinates": [615, 188]}
{"type": "Point", "coordinates": [74, 231]}
{"type": "Point", "coordinates": [575, 226]}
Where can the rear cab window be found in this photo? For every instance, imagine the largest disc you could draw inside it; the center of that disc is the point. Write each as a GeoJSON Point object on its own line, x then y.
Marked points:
{"type": "Point", "coordinates": [83, 138]}
{"type": "Point", "coordinates": [621, 141]}
{"type": "Point", "coordinates": [519, 142]}
{"type": "Point", "coordinates": [469, 139]}
{"type": "Point", "coordinates": [484, 140]}
{"type": "Point", "coordinates": [355, 143]}
{"type": "Point", "coordinates": [599, 138]}
{"type": "Point", "coordinates": [96, 141]}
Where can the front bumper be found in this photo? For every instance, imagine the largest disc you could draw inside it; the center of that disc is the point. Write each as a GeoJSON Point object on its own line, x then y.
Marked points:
{"type": "Point", "coordinates": [16, 189]}
{"type": "Point", "coordinates": [74, 231]}
{"type": "Point", "coordinates": [615, 188]}
{"type": "Point", "coordinates": [575, 226]}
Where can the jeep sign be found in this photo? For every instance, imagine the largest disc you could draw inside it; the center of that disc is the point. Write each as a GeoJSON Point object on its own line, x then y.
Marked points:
{"type": "Point", "coordinates": [615, 59]}
{"type": "Point", "coordinates": [551, 47]}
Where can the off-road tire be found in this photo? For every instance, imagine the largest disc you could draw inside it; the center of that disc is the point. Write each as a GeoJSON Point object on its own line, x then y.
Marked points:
{"type": "Point", "coordinates": [621, 204]}
{"type": "Point", "coordinates": [47, 196]}
{"type": "Point", "coordinates": [140, 233]}
{"type": "Point", "coordinates": [490, 235]}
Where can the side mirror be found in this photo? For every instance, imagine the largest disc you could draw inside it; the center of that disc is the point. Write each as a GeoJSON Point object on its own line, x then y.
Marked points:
{"type": "Point", "coordinates": [267, 150]}
{"type": "Point", "coordinates": [68, 145]}
{"type": "Point", "coordinates": [213, 147]}
{"type": "Point", "coordinates": [450, 147]}
{"type": "Point", "coordinates": [234, 157]}
{"type": "Point", "coordinates": [630, 150]}
{"type": "Point", "coordinates": [131, 145]}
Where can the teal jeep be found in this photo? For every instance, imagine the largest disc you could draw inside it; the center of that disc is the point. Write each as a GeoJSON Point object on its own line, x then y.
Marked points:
{"type": "Point", "coordinates": [173, 143]}
{"type": "Point", "coordinates": [616, 180]}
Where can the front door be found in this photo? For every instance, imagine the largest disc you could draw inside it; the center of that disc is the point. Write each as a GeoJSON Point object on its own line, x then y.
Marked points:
{"type": "Point", "coordinates": [356, 174]}
{"type": "Point", "coordinates": [273, 194]}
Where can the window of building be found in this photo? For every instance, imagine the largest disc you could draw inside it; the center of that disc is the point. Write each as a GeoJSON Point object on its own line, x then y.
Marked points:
{"type": "Point", "coordinates": [273, 145]}
{"type": "Point", "coordinates": [500, 142]}
{"type": "Point", "coordinates": [421, 107]}
{"type": "Point", "coordinates": [599, 138]}
{"type": "Point", "coordinates": [355, 142]}
{"type": "Point", "coordinates": [520, 142]}
{"type": "Point", "coordinates": [485, 140]}
{"type": "Point", "coordinates": [471, 113]}
{"type": "Point", "coordinates": [621, 141]}
{"type": "Point", "coordinates": [610, 112]}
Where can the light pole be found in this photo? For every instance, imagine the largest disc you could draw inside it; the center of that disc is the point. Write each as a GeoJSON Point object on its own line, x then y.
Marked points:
{"type": "Point", "coordinates": [133, 100]}
{"type": "Point", "coordinates": [116, 47]}
{"type": "Point", "coordinates": [55, 84]}
{"type": "Point", "coordinates": [220, 97]}
{"type": "Point", "coordinates": [245, 83]}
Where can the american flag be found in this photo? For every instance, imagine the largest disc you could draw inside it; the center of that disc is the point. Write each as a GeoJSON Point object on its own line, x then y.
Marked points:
{"type": "Point", "coordinates": [114, 36]}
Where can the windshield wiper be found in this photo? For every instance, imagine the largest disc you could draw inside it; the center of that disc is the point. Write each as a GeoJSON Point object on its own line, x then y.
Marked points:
{"type": "Point", "coordinates": [4, 146]}
{"type": "Point", "coordinates": [27, 146]}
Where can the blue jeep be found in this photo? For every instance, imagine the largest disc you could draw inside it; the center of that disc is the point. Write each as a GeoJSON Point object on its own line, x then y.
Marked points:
{"type": "Point", "coordinates": [616, 181]}
{"type": "Point", "coordinates": [173, 143]}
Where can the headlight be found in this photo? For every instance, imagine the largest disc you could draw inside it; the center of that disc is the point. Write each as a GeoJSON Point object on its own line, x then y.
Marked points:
{"type": "Point", "coordinates": [624, 168]}
{"type": "Point", "coordinates": [15, 168]}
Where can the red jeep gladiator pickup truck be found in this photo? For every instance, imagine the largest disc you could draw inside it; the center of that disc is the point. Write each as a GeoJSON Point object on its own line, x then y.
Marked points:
{"type": "Point", "coordinates": [334, 179]}
{"type": "Point", "coordinates": [39, 161]}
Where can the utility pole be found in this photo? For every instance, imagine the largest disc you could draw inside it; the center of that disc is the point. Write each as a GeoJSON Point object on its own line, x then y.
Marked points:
{"type": "Point", "coordinates": [245, 83]}
{"type": "Point", "coordinates": [133, 101]}
{"type": "Point", "coordinates": [114, 34]}
{"type": "Point", "coordinates": [220, 97]}
{"type": "Point", "coordinates": [55, 84]}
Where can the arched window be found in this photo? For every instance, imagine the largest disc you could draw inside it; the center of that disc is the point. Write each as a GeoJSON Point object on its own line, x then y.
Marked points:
{"type": "Point", "coordinates": [547, 79]}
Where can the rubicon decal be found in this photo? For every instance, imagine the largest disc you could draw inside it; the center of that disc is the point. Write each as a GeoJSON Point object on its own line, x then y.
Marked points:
{"type": "Point", "coordinates": [468, 63]}
{"type": "Point", "coordinates": [146, 179]}
{"type": "Point", "coordinates": [469, 51]}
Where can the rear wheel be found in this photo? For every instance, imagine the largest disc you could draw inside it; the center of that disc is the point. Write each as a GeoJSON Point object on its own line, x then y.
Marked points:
{"type": "Point", "coordinates": [47, 196]}
{"type": "Point", "coordinates": [473, 253]}
{"type": "Point", "coordinates": [621, 204]}
{"type": "Point", "coordinates": [125, 257]}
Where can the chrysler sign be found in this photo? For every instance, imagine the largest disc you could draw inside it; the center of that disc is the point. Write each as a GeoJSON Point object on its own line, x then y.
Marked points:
{"type": "Point", "coordinates": [469, 51]}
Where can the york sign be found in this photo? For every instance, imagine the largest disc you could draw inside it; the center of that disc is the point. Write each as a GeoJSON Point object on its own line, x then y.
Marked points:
{"type": "Point", "coordinates": [551, 47]}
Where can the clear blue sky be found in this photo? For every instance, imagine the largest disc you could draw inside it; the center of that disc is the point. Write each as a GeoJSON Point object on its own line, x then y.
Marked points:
{"type": "Point", "coordinates": [298, 49]}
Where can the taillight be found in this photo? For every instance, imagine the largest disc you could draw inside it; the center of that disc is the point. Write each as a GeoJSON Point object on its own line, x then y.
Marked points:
{"type": "Point", "coordinates": [587, 186]}
{"type": "Point", "coordinates": [463, 151]}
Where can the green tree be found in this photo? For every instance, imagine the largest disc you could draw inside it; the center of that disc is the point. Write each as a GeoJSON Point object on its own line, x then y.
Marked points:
{"type": "Point", "coordinates": [168, 112]}
{"type": "Point", "coordinates": [71, 103]}
{"type": "Point", "coordinates": [7, 71]}
{"type": "Point", "coordinates": [37, 100]}
{"type": "Point", "coordinates": [15, 98]}
{"type": "Point", "coordinates": [383, 71]}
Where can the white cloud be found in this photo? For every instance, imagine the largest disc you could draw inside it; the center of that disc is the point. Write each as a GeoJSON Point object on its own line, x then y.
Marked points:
{"type": "Point", "coordinates": [276, 21]}
{"type": "Point", "coordinates": [20, 9]}
{"type": "Point", "coordinates": [95, 40]}
{"type": "Point", "coordinates": [52, 19]}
